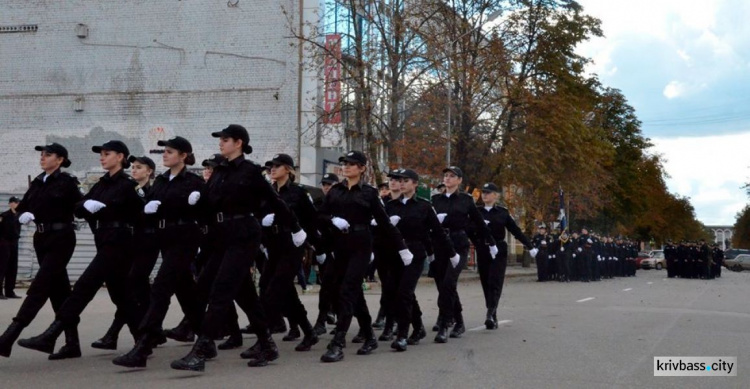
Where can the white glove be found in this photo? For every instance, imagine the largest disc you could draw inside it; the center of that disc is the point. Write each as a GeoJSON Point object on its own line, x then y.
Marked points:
{"type": "Point", "coordinates": [321, 258]}
{"type": "Point", "coordinates": [264, 250]}
{"type": "Point", "coordinates": [454, 260]}
{"type": "Point", "coordinates": [373, 223]}
{"type": "Point", "coordinates": [268, 220]}
{"type": "Point", "coordinates": [406, 256]}
{"type": "Point", "coordinates": [340, 223]}
{"type": "Point", "coordinates": [553, 256]}
{"type": "Point", "coordinates": [598, 257]}
{"type": "Point", "coordinates": [562, 249]}
{"type": "Point", "coordinates": [194, 197]}
{"type": "Point", "coordinates": [580, 250]}
{"type": "Point", "coordinates": [574, 255]}
{"type": "Point", "coordinates": [372, 257]}
{"type": "Point", "coordinates": [26, 218]}
{"type": "Point", "coordinates": [151, 207]}
{"type": "Point", "coordinates": [441, 217]}
{"type": "Point", "coordinates": [93, 206]}
{"type": "Point", "coordinates": [395, 219]}
{"type": "Point", "coordinates": [299, 237]}
{"type": "Point", "coordinates": [430, 258]}
{"type": "Point", "coordinates": [533, 252]}
{"type": "Point", "coordinates": [493, 251]}
{"type": "Point", "coordinates": [487, 222]}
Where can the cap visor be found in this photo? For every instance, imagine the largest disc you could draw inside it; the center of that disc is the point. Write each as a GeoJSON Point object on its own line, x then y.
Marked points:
{"type": "Point", "coordinates": [348, 159]}
{"type": "Point", "coordinates": [97, 149]}
{"type": "Point", "coordinates": [219, 134]}
{"type": "Point", "coordinates": [40, 148]}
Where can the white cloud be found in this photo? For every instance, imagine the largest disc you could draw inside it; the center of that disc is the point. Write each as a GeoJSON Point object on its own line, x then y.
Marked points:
{"type": "Point", "coordinates": [711, 171]}
{"type": "Point", "coordinates": [674, 89]}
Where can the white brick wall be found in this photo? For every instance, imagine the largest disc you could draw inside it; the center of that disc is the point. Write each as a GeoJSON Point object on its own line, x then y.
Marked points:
{"type": "Point", "coordinates": [147, 70]}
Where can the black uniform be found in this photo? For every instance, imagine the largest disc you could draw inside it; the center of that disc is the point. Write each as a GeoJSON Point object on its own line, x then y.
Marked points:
{"type": "Point", "coordinates": [420, 228]}
{"type": "Point", "coordinates": [670, 254]}
{"type": "Point", "coordinates": [10, 232]}
{"type": "Point", "coordinates": [492, 271]}
{"type": "Point", "coordinates": [460, 212]}
{"type": "Point", "coordinates": [542, 261]}
{"type": "Point", "coordinates": [51, 201]}
{"type": "Point", "coordinates": [357, 205]}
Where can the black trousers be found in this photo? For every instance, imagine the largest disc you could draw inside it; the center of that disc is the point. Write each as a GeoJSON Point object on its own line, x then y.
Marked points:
{"type": "Point", "coordinates": [383, 256]}
{"type": "Point", "coordinates": [352, 252]}
{"type": "Point", "coordinates": [8, 265]}
{"type": "Point", "coordinates": [449, 303]}
{"type": "Point", "coordinates": [179, 247]}
{"type": "Point", "coordinates": [233, 256]}
{"type": "Point", "coordinates": [491, 274]}
{"type": "Point", "coordinates": [280, 295]}
{"type": "Point", "coordinates": [145, 254]}
{"type": "Point", "coordinates": [403, 282]}
{"type": "Point", "coordinates": [111, 265]}
{"type": "Point", "coordinates": [53, 252]}
{"type": "Point", "coordinates": [325, 297]}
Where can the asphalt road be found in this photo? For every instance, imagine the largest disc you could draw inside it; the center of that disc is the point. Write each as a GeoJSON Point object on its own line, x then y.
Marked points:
{"type": "Point", "coordinates": [553, 335]}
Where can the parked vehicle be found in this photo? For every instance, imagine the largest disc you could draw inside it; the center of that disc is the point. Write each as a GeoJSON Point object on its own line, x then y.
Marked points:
{"type": "Point", "coordinates": [655, 260]}
{"type": "Point", "coordinates": [738, 263]}
{"type": "Point", "coordinates": [731, 253]}
{"type": "Point", "coordinates": [641, 256]}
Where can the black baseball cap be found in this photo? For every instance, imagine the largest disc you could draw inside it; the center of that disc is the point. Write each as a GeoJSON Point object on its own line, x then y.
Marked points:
{"type": "Point", "coordinates": [455, 170]}
{"type": "Point", "coordinates": [440, 186]}
{"type": "Point", "coordinates": [354, 157]}
{"type": "Point", "coordinates": [113, 145]}
{"type": "Point", "coordinates": [281, 159]}
{"type": "Point", "coordinates": [395, 173]}
{"type": "Point", "coordinates": [144, 160]}
{"type": "Point", "coordinates": [14, 199]}
{"type": "Point", "coordinates": [212, 161]}
{"type": "Point", "coordinates": [490, 187]}
{"type": "Point", "coordinates": [57, 149]}
{"type": "Point", "coordinates": [178, 143]}
{"type": "Point", "coordinates": [383, 185]}
{"type": "Point", "coordinates": [236, 131]}
{"type": "Point", "coordinates": [409, 173]}
{"type": "Point", "coordinates": [329, 178]}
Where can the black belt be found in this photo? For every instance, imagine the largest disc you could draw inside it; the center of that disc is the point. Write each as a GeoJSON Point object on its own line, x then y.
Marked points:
{"type": "Point", "coordinates": [356, 228]}
{"type": "Point", "coordinates": [112, 224]}
{"type": "Point", "coordinates": [274, 229]}
{"type": "Point", "coordinates": [44, 227]}
{"type": "Point", "coordinates": [450, 232]}
{"type": "Point", "coordinates": [222, 217]}
{"type": "Point", "coordinates": [164, 223]}
{"type": "Point", "coordinates": [147, 230]}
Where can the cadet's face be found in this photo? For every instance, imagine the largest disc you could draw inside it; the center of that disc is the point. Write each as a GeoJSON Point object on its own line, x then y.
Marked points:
{"type": "Point", "coordinates": [278, 171]}
{"type": "Point", "coordinates": [49, 161]}
{"type": "Point", "coordinates": [207, 171]}
{"type": "Point", "coordinates": [351, 169]}
{"type": "Point", "coordinates": [172, 157]}
{"type": "Point", "coordinates": [451, 180]}
{"type": "Point", "coordinates": [13, 206]}
{"type": "Point", "coordinates": [110, 159]}
{"type": "Point", "coordinates": [325, 188]}
{"type": "Point", "coordinates": [407, 185]}
{"type": "Point", "coordinates": [394, 184]}
{"type": "Point", "coordinates": [489, 197]}
{"type": "Point", "coordinates": [140, 171]}
{"type": "Point", "coordinates": [384, 192]}
{"type": "Point", "coordinates": [229, 146]}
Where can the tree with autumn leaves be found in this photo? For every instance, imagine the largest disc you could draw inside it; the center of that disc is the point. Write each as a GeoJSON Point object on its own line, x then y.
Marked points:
{"type": "Point", "coordinates": [497, 88]}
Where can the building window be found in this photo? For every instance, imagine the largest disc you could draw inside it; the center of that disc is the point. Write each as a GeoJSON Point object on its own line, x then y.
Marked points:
{"type": "Point", "coordinates": [18, 28]}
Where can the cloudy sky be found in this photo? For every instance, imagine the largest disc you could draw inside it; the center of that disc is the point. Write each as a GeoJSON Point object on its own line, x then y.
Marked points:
{"type": "Point", "coordinates": [685, 67]}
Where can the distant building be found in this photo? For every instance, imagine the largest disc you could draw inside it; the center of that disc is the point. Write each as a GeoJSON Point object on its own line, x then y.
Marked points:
{"type": "Point", "coordinates": [722, 235]}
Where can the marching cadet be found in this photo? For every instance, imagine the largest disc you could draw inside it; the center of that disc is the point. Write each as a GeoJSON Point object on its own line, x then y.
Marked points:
{"type": "Point", "coordinates": [10, 232]}
{"type": "Point", "coordinates": [564, 256]}
{"type": "Point", "coordinates": [171, 209]}
{"type": "Point", "coordinates": [284, 259]}
{"type": "Point", "coordinates": [349, 207]}
{"type": "Point", "coordinates": [324, 258]}
{"type": "Point", "coordinates": [420, 227]}
{"type": "Point", "coordinates": [539, 240]}
{"type": "Point", "coordinates": [234, 192]}
{"type": "Point", "coordinates": [704, 260]}
{"type": "Point", "coordinates": [145, 253]}
{"type": "Point", "coordinates": [585, 255]}
{"type": "Point", "coordinates": [670, 252]}
{"type": "Point", "coordinates": [111, 208]}
{"type": "Point", "coordinates": [718, 260]}
{"type": "Point", "coordinates": [49, 202]}
{"type": "Point", "coordinates": [682, 259]}
{"type": "Point", "coordinates": [492, 270]}
{"type": "Point", "coordinates": [456, 211]}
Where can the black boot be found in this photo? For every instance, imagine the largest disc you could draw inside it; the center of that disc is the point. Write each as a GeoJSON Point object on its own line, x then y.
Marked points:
{"type": "Point", "coordinates": [45, 342]}
{"type": "Point", "coordinates": [370, 345]}
{"type": "Point", "coordinates": [278, 327]}
{"type": "Point", "coordinates": [330, 318]}
{"type": "Point", "coordinates": [379, 322]}
{"type": "Point", "coordinates": [459, 328]}
{"type": "Point", "coordinates": [196, 358]}
{"type": "Point", "coordinates": [252, 351]}
{"type": "Point", "coordinates": [399, 344]}
{"type": "Point", "coordinates": [248, 330]}
{"type": "Point", "coordinates": [387, 334]}
{"type": "Point", "coordinates": [320, 327]}
{"type": "Point", "coordinates": [442, 335]}
{"type": "Point", "coordinates": [436, 327]}
{"type": "Point", "coordinates": [416, 336]}
{"type": "Point", "coordinates": [335, 351]}
{"type": "Point", "coordinates": [9, 337]}
{"type": "Point", "coordinates": [109, 340]}
{"type": "Point", "coordinates": [310, 339]}
{"type": "Point", "coordinates": [71, 348]}
{"type": "Point", "coordinates": [293, 334]}
{"type": "Point", "coordinates": [268, 352]}
{"type": "Point", "coordinates": [181, 333]}
{"type": "Point", "coordinates": [233, 341]}
{"type": "Point", "coordinates": [137, 356]}
{"type": "Point", "coordinates": [490, 322]}
{"type": "Point", "coordinates": [359, 338]}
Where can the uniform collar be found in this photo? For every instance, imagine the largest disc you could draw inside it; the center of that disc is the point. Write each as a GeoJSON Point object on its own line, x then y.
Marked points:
{"type": "Point", "coordinates": [235, 162]}
{"type": "Point", "coordinates": [345, 184]}
{"type": "Point", "coordinates": [403, 200]}
{"type": "Point", "coordinates": [182, 173]}
{"type": "Point", "coordinates": [54, 174]}
{"type": "Point", "coordinates": [284, 187]}
{"type": "Point", "coordinates": [107, 177]}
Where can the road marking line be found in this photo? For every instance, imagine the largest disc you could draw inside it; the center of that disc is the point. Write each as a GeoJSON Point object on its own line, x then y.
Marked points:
{"type": "Point", "coordinates": [584, 300]}
{"type": "Point", "coordinates": [649, 283]}
{"type": "Point", "coordinates": [627, 290]}
{"type": "Point", "coordinates": [501, 322]}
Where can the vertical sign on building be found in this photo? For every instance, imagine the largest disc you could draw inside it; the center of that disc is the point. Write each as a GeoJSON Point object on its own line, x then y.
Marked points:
{"type": "Point", "coordinates": [332, 71]}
